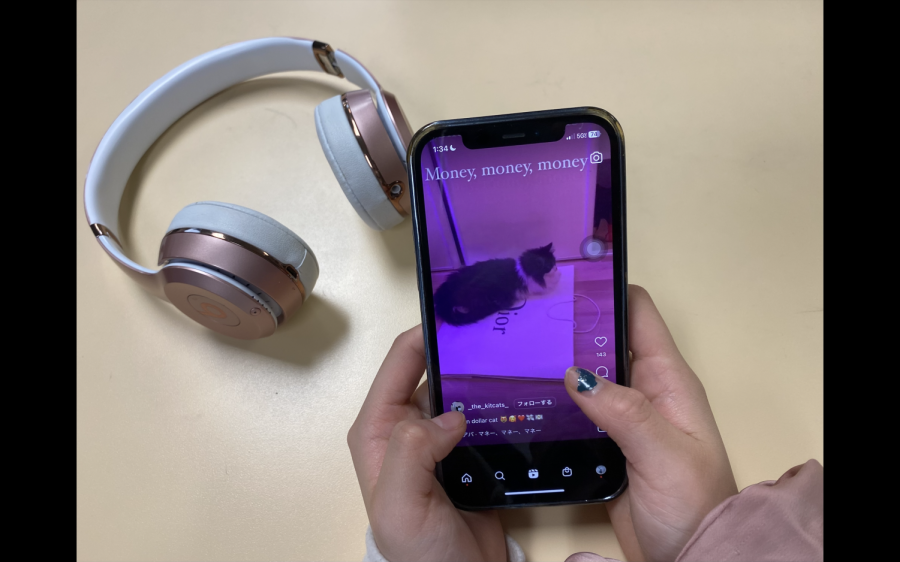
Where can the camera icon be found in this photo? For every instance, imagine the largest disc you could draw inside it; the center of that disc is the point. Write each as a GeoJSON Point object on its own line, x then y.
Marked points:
{"type": "Point", "coordinates": [596, 157]}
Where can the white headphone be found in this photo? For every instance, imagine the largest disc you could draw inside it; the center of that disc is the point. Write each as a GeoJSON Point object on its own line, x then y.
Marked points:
{"type": "Point", "coordinates": [230, 268]}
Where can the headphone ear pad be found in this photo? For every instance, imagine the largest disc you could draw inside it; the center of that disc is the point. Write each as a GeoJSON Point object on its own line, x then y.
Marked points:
{"type": "Point", "coordinates": [351, 168]}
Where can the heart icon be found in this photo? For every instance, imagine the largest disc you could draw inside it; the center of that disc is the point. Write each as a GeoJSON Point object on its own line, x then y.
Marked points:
{"type": "Point", "coordinates": [521, 418]}
{"type": "Point", "coordinates": [601, 341]}
{"type": "Point", "coordinates": [605, 372]}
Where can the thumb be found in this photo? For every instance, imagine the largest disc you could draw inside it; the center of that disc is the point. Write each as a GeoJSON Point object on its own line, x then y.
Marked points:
{"type": "Point", "coordinates": [415, 447]}
{"type": "Point", "coordinates": [623, 413]}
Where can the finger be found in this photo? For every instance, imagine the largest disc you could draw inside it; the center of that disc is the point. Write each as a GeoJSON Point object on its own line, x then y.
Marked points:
{"type": "Point", "coordinates": [400, 371]}
{"type": "Point", "coordinates": [415, 447]}
{"type": "Point", "coordinates": [386, 404]}
{"type": "Point", "coordinates": [648, 335]}
{"type": "Point", "coordinates": [422, 400]}
{"type": "Point", "coordinates": [659, 371]}
{"type": "Point", "coordinates": [624, 413]}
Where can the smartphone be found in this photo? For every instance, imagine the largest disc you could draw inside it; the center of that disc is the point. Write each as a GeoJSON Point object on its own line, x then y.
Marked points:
{"type": "Point", "coordinates": [519, 224]}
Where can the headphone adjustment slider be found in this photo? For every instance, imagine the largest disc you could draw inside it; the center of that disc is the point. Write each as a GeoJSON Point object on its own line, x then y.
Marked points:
{"type": "Point", "coordinates": [325, 55]}
{"type": "Point", "coordinates": [100, 230]}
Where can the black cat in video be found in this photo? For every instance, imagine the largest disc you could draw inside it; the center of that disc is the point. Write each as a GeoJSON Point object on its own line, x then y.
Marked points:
{"type": "Point", "coordinates": [487, 287]}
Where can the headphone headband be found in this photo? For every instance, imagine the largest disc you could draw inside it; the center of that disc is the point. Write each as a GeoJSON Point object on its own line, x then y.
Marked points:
{"type": "Point", "coordinates": [182, 89]}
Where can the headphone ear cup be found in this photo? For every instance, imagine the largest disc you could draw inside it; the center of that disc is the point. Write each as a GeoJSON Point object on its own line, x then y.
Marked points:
{"type": "Point", "coordinates": [350, 167]}
{"type": "Point", "coordinates": [223, 248]}
{"type": "Point", "coordinates": [254, 228]}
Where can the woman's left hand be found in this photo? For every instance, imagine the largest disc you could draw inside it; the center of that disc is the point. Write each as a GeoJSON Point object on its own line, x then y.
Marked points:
{"type": "Point", "coordinates": [395, 448]}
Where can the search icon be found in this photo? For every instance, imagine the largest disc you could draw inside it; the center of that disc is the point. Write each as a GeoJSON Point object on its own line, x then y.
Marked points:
{"type": "Point", "coordinates": [499, 475]}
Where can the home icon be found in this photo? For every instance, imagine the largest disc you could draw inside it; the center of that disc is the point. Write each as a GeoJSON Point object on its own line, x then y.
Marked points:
{"type": "Point", "coordinates": [466, 478]}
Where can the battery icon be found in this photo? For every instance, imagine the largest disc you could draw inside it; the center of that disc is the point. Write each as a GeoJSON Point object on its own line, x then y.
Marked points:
{"type": "Point", "coordinates": [593, 134]}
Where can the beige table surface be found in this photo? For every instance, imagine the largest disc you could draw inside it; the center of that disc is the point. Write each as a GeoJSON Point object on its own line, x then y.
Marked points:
{"type": "Point", "coordinates": [192, 446]}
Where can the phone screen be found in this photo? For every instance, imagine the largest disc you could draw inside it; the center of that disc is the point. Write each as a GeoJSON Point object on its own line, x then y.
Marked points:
{"type": "Point", "coordinates": [522, 271]}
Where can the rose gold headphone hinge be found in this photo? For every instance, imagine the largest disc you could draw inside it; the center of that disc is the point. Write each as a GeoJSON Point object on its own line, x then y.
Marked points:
{"type": "Point", "coordinates": [100, 230]}
{"type": "Point", "coordinates": [325, 55]}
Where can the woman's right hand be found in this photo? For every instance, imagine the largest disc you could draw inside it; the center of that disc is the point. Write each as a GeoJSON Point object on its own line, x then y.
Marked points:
{"type": "Point", "coordinates": [678, 470]}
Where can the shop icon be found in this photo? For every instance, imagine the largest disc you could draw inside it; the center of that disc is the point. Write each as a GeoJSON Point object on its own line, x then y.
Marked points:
{"type": "Point", "coordinates": [567, 472]}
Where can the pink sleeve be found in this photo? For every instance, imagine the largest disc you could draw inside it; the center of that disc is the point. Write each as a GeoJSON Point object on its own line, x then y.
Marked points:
{"type": "Point", "coordinates": [767, 521]}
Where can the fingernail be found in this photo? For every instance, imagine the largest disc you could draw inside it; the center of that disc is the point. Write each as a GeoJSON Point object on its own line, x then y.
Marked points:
{"type": "Point", "coordinates": [449, 420]}
{"type": "Point", "coordinates": [584, 379]}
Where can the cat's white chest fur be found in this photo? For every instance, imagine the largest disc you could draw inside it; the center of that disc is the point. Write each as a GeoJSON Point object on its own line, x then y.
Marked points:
{"type": "Point", "coordinates": [532, 287]}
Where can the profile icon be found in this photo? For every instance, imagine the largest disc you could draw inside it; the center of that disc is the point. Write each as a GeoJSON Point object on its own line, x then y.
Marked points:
{"type": "Point", "coordinates": [457, 407]}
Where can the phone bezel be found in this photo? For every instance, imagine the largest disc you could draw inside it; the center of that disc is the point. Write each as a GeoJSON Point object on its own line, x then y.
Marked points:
{"type": "Point", "coordinates": [545, 123]}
